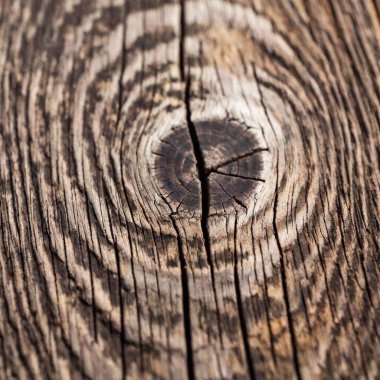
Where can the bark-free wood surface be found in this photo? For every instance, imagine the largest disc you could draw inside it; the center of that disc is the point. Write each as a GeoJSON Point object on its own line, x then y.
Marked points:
{"type": "Point", "coordinates": [189, 190]}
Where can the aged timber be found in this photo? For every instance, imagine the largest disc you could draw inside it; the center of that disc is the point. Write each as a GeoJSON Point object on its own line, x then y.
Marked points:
{"type": "Point", "coordinates": [189, 189]}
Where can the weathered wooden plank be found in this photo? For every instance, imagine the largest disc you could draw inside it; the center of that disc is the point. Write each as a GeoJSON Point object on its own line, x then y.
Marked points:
{"type": "Point", "coordinates": [189, 189]}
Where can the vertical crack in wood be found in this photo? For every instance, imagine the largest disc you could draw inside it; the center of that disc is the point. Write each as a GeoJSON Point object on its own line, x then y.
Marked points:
{"type": "Point", "coordinates": [239, 301]}
{"type": "Point", "coordinates": [267, 304]}
{"type": "Point", "coordinates": [201, 168]}
{"type": "Point", "coordinates": [205, 196]}
{"type": "Point", "coordinates": [183, 264]}
{"type": "Point", "coordinates": [117, 256]}
{"type": "Point", "coordinates": [120, 294]}
{"type": "Point", "coordinates": [289, 316]}
{"type": "Point", "coordinates": [293, 337]}
{"type": "Point", "coordinates": [93, 305]}
{"type": "Point", "coordinates": [185, 302]}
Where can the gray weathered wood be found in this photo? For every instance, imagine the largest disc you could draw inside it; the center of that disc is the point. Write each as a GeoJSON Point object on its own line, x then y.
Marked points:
{"type": "Point", "coordinates": [189, 189]}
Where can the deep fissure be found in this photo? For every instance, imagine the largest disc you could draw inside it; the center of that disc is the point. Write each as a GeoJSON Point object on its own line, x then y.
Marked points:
{"type": "Point", "coordinates": [242, 321]}
{"type": "Point", "coordinates": [200, 162]}
{"type": "Point", "coordinates": [184, 276]}
{"type": "Point", "coordinates": [201, 168]}
{"type": "Point", "coordinates": [117, 253]}
{"type": "Point", "coordinates": [203, 175]}
{"type": "Point", "coordinates": [185, 303]}
{"type": "Point", "coordinates": [205, 194]}
{"type": "Point", "coordinates": [234, 159]}
{"type": "Point", "coordinates": [293, 338]}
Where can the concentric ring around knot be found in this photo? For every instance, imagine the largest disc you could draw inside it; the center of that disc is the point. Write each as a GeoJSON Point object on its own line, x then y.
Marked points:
{"type": "Point", "coordinates": [233, 166]}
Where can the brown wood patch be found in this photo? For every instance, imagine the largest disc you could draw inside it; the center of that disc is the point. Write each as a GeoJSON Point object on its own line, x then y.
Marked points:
{"type": "Point", "coordinates": [189, 189]}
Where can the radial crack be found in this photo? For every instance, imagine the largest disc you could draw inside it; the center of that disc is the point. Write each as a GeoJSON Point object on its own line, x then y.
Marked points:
{"type": "Point", "coordinates": [236, 158]}
{"type": "Point", "coordinates": [200, 163]}
{"type": "Point", "coordinates": [237, 175]}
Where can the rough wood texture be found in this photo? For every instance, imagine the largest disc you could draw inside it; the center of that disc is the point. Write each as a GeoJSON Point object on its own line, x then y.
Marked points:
{"type": "Point", "coordinates": [189, 190]}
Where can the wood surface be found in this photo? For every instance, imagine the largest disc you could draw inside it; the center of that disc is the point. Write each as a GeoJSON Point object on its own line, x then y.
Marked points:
{"type": "Point", "coordinates": [189, 189]}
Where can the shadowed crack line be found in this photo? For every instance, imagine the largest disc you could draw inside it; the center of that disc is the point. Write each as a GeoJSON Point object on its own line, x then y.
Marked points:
{"type": "Point", "coordinates": [237, 175]}
{"type": "Point", "coordinates": [236, 158]}
{"type": "Point", "coordinates": [186, 306]}
{"type": "Point", "coordinates": [205, 194]}
{"type": "Point", "coordinates": [293, 337]}
{"type": "Point", "coordinates": [117, 253]}
{"type": "Point", "coordinates": [201, 166]}
{"type": "Point", "coordinates": [185, 300]}
{"type": "Point", "coordinates": [239, 300]}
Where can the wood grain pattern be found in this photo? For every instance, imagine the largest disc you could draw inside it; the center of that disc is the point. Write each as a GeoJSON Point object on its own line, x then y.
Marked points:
{"type": "Point", "coordinates": [189, 189]}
